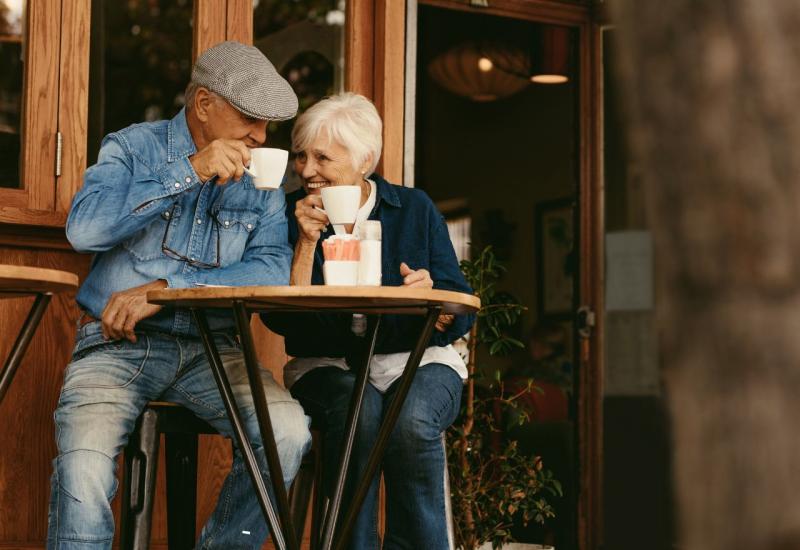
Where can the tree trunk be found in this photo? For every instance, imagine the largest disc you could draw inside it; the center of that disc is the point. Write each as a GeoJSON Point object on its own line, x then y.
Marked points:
{"type": "Point", "coordinates": [712, 89]}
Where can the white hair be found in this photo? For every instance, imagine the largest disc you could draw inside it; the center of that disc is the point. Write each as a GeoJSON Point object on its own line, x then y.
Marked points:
{"type": "Point", "coordinates": [349, 119]}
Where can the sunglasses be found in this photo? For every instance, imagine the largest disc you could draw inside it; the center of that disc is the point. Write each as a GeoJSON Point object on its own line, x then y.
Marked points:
{"type": "Point", "coordinates": [175, 255]}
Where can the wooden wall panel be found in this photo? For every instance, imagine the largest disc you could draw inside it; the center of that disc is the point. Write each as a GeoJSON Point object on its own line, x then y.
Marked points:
{"type": "Point", "coordinates": [73, 99]}
{"type": "Point", "coordinates": [40, 103]}
{"type": "Point", "coordinates": [389, 83]}
{"type": "Point", "coordinates": [359, 43]}
{"type": "Point", "coordinates": [27, 439]}
{"type": "Point", "coordinates": [210, 17]}
{"type": "Point", "coordinates": [240, 21]}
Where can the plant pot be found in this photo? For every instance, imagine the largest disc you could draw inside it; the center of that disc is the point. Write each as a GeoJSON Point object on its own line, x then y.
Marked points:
{"type": "Point", "coordinates": [517, 546]}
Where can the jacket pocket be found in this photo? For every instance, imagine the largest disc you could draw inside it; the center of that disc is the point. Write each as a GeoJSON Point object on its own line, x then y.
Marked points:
{"type": "Point", "coordinates": [146, 244]}
{"type": "Point", "coordinates": [235, 227]}
{"type": "Point", "coordinates": [101, 364]}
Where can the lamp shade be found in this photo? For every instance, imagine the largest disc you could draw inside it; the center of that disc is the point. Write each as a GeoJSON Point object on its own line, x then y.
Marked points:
{"type": "Point", "coordinates": [551, 65]}
{"type": "Point", "coordinates": [470, 70]}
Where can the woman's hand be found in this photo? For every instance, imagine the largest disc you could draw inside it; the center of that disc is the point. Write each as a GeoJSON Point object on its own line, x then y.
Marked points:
{"type": "Point", "coordinates": [415, 278]}
{"type": "Point", "coordinates": [421, 278]}
{"type": "Point", "coordinates": [310, 221]}
{"type": "Point", "coordinates": [444, 321]}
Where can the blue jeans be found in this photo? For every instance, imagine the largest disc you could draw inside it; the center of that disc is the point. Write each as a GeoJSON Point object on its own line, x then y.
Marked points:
{"type": "Point", "coordinates": [106, 387]}
{"type": "Point", "coordinates": [414, 462]}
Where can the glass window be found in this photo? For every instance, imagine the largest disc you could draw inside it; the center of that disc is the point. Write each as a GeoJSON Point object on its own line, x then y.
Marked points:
{"type": "Point", "coordinates": [140, 63]}
{"type": "Point", "coordinates": [304, 39]}
{"type": "Point", "coordinates": [11, 70]}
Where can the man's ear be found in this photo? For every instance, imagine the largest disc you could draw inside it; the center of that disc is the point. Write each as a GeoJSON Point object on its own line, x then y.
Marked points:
{"type": "Point", "coordinates": [202, 102]}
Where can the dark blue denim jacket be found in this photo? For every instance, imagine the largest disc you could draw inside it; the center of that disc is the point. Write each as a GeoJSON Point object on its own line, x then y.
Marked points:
{"type": "Point", "coordinates": [414, 232]}
{"type": "Point", "coordinates": [144, 192]}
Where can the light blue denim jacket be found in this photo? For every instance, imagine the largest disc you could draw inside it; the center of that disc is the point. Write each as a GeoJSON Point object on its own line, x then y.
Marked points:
{"type": "Point", "coordinates": [142, 188]}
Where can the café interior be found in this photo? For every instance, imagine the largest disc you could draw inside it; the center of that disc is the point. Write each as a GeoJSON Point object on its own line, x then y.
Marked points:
{"type": "Point", "coordinates": [504, 112]}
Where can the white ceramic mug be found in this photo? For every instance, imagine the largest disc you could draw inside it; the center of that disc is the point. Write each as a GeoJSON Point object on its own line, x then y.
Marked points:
{"type": "Point", "coordinates": [340, 273]}
{"type": "Point", "coordinates": [267, 167]}
{"type": "Point", "coordinates": [341, 203]}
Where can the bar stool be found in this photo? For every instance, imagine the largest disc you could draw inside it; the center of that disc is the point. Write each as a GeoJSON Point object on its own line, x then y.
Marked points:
{"type": "Point", "coordinates": [180, 428]}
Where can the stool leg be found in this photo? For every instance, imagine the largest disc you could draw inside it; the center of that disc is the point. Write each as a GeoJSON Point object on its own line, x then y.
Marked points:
{"type": "Point", "coordinates": [300, 495]}
{"type": "Point", "coordinates": [319, 506]}
{"type": "Point", "coordinates": [141, 460]}
{"type": "Point", "coordinates": [181, 457]}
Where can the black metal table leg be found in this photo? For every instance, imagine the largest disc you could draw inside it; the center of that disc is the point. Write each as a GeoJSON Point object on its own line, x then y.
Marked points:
{"type": "Point", "coordinates": [264, 422]}
{"type": "Point", "coordinates": [242, 441]}
{"type": "Point", "coordinates": [389, 420]}
{"type": "Point", "coordinates": [23, 339]}
{"type": "Point", "coordinates": [357, 398]}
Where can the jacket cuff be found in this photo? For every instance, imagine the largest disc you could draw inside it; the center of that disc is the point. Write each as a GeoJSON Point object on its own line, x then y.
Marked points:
{"type": "Point", "coordinates": [179, 176]}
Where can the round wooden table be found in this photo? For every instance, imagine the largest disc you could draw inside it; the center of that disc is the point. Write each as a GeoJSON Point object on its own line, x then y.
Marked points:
{"type": "Point", "coordinates": [371, 301]}
{"type": "Point", "coordinates": [19, 282]}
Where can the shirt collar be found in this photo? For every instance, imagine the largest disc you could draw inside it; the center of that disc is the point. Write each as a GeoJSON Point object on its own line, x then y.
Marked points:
{"type": "Point", "coordinates": [386, 191]}
{"type": "Point", "coordinates": [179, 138]}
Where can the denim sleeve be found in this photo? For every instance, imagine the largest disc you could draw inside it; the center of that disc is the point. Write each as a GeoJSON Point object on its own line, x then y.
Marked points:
{"type": "Point", "coordinates": [400, 332]}
{"type": "Point", "coordinates": [120, 197]}
{"type": "Point", "coordinates": [266, 260]}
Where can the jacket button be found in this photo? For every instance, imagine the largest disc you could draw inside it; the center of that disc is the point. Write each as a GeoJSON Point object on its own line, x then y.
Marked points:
{"type": "Point", "coordinates": [187, 179]}
{"type": "Point", "coordinates": [177, 185]}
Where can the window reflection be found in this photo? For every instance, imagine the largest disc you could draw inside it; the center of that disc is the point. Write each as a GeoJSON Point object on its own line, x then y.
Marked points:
{"type": "Point", "coordinates": [140, 63]}
{"type": "Point", "coordinates": [11, 69]}
{"type": "Point", "coordinates": [304, 39]}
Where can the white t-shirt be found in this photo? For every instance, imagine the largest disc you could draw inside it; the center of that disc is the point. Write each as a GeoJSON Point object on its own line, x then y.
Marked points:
{"type": "Point", "coordinates": [384, 368]}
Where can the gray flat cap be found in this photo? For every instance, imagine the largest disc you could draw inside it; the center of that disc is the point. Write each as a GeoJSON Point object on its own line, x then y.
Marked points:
{"type": "Point", "coordinates": [245, 77]}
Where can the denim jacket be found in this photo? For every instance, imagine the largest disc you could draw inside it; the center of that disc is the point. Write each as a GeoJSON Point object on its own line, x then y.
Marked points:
{"type": "Point", "coordinates": [414, 232]}
{"type": "Point", "coordinates": [143, 193]}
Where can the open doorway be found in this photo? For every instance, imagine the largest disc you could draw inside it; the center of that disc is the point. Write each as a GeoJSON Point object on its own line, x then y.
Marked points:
{"type": "Point", "coordinates": [505, 172]}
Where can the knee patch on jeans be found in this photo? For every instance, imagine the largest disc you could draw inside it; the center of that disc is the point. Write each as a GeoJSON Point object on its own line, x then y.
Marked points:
{"type": "Point", "coordinates": [86, 475]}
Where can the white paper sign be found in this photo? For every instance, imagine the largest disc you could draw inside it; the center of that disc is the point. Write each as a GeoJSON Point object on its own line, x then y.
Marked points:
{"type": "Point", "coordinates": [629, 271]}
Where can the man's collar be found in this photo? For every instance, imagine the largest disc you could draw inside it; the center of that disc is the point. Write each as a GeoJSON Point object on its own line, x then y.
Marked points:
{"type": "Point", "coordinates": [179, 138]}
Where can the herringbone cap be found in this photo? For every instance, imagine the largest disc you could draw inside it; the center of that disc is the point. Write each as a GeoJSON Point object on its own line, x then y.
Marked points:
{"type": "Point", "coordinates": [246, 78]}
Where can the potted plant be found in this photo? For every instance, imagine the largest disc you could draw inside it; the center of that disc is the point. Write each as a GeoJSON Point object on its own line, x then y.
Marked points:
{"type": "Point", "coordinates": [491, 482]}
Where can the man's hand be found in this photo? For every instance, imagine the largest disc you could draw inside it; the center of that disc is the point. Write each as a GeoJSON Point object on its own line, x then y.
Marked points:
{"type": "Point", "coordinates": [310, 221]}
{"type": "Point", "coordinates": [415, 278]}
{"type": "Point", "coordinates": [224, 158]}
{"type": "Point", "coordinates": [126, 308]}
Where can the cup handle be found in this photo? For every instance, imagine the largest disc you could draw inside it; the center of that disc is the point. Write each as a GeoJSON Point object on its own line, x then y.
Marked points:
{"type": "Point", "coordinates": [321, 210]}
{"type": "Point", "coordinates": [250, 172]}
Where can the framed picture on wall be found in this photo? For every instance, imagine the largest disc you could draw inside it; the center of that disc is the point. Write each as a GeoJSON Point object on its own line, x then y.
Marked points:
{"type": "Point", "coordinates": [556, 259]}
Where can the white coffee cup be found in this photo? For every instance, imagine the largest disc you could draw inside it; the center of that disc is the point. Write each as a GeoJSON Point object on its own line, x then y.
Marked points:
{"type": "Point", "coordinates": [341, 203]}
{"type": "Point", "coordinates": [340, 272]}
{"type": "Point", "coordinates": [267, 167]}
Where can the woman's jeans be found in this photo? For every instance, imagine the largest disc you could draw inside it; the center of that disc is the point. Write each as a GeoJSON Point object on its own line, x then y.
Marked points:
{"type": "Point", "coordinates": [414, 461]}
{"type": "Point", "coordinates": [106, 387]}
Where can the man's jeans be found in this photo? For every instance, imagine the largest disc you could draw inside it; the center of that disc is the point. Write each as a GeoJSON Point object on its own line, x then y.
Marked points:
{"type": "Point", "coordinates": [414, 462]}
{"type": "Point", "coordinates": [106, 387]}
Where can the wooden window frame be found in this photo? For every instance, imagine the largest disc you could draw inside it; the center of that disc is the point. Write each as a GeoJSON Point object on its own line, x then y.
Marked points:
{"type": "Point", "coordinates": [55, 99]}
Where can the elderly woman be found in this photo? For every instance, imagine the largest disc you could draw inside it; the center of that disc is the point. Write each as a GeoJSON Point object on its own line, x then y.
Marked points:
{"type": "Point", "coordinates": [338, 142]}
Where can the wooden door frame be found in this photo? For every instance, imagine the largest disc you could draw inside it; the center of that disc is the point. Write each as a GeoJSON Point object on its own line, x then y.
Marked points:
{"type": "Point", "coordinates": [591, 284]}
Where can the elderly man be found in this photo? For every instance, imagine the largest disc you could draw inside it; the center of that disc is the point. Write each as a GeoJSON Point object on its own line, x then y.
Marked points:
{"type": "Point", "coordinates": [168, 205]}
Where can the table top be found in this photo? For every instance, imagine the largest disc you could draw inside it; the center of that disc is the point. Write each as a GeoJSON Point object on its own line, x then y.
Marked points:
{"type": "Point", "coordinates": [17, 281]}
{"type": "Point", "coordinates": [355, 299]}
